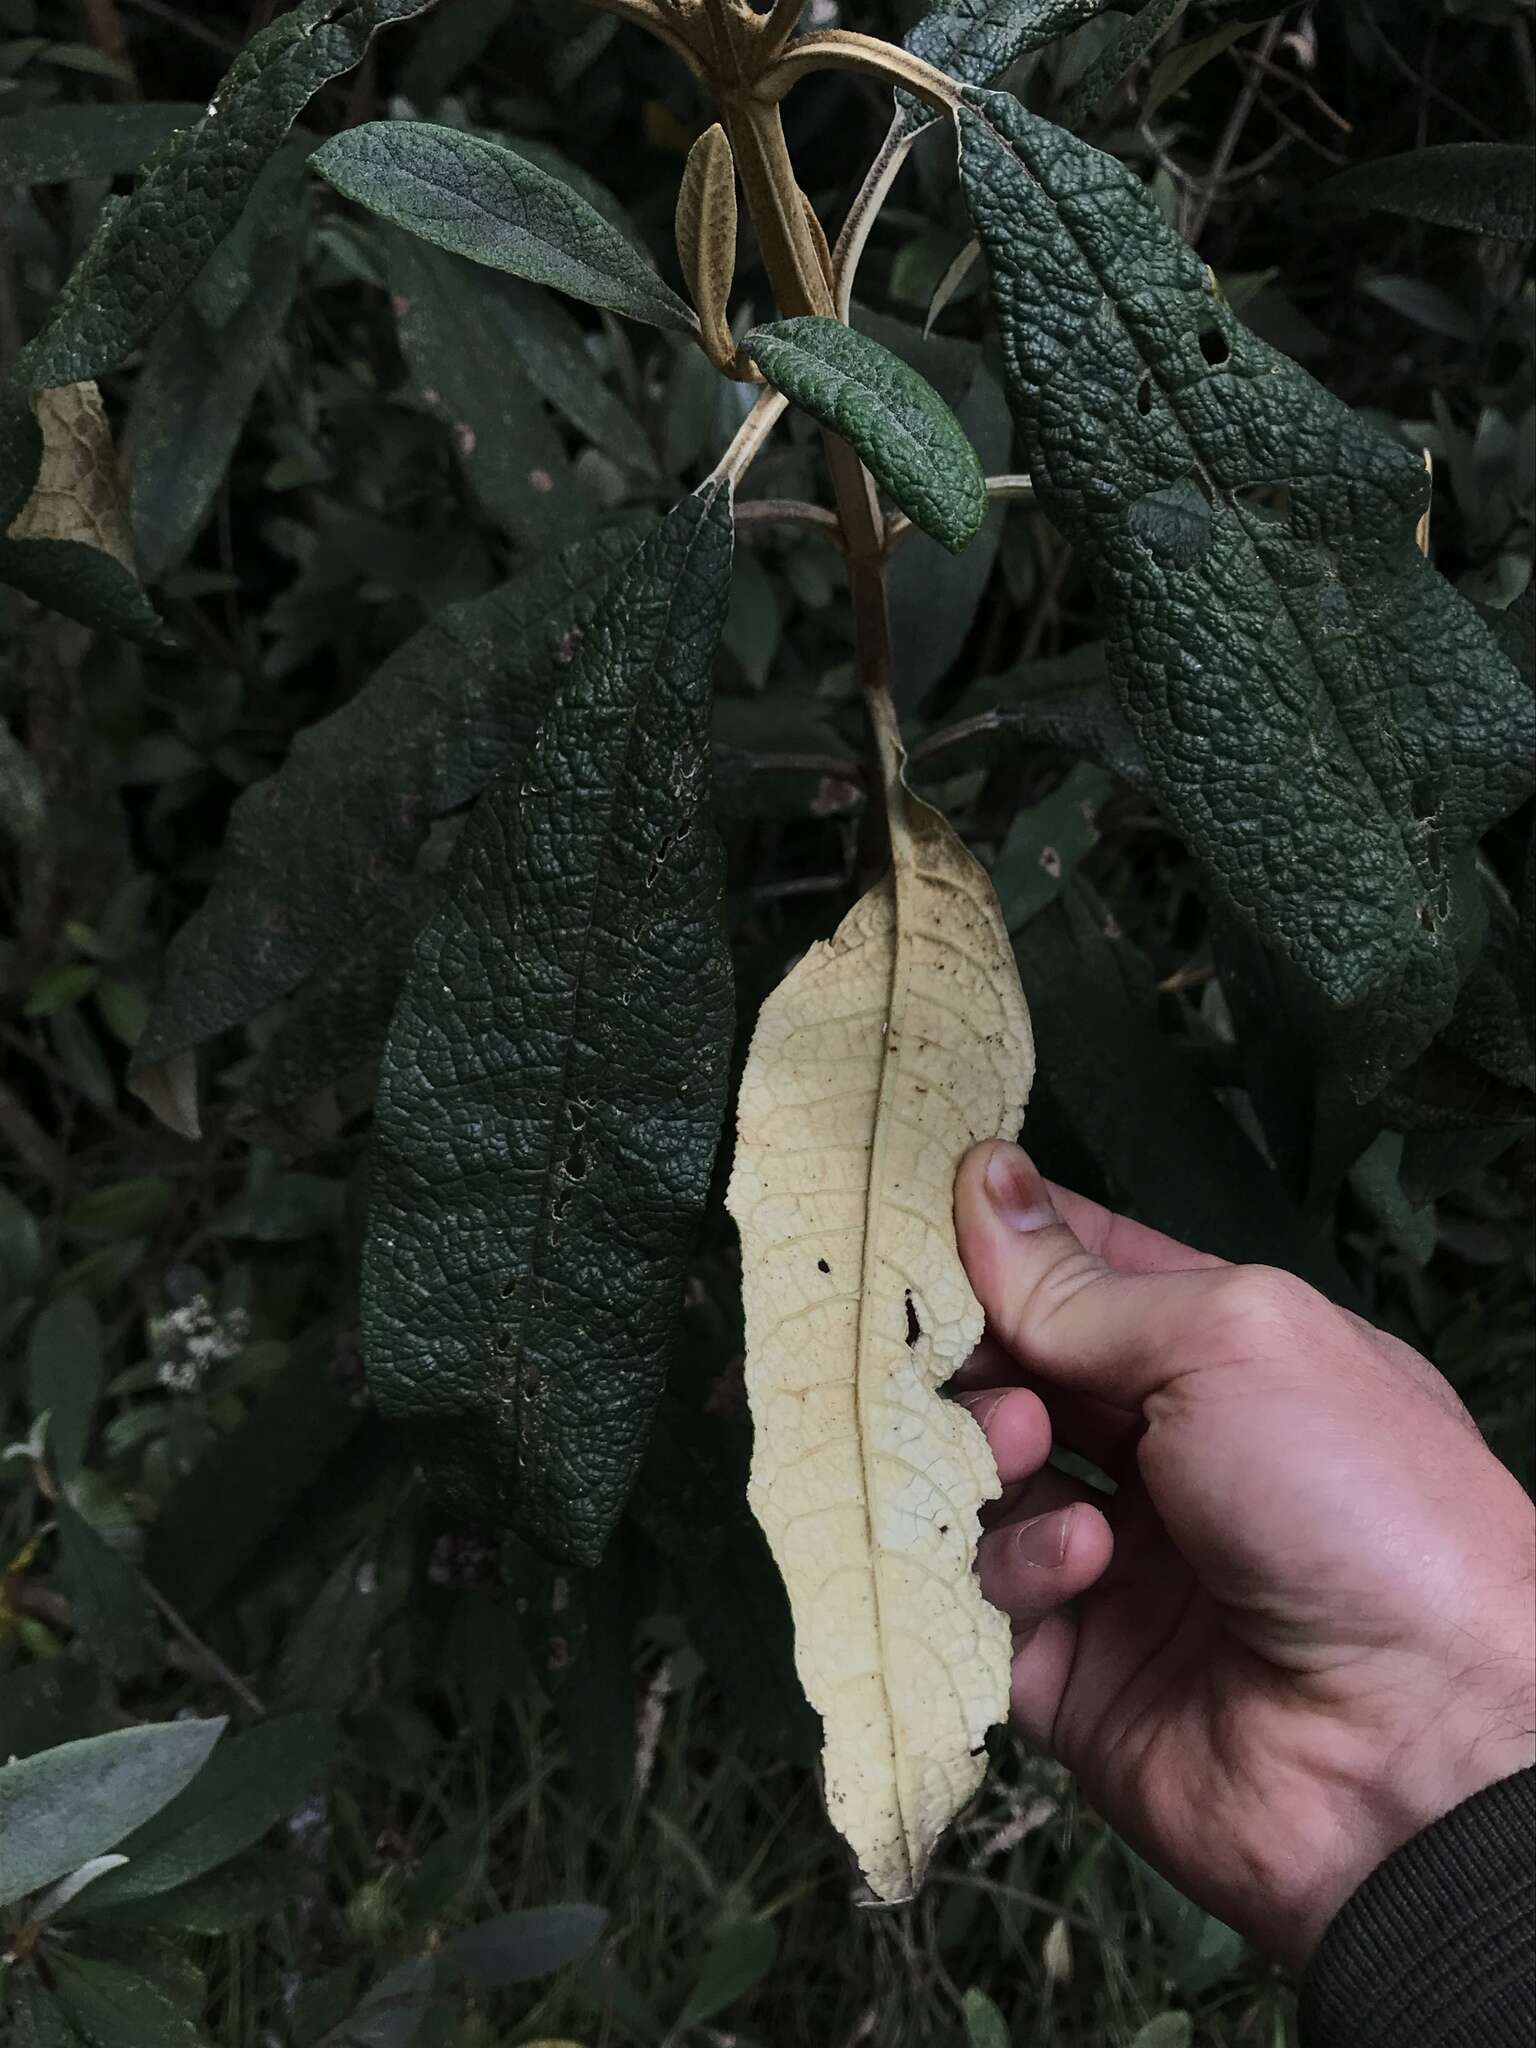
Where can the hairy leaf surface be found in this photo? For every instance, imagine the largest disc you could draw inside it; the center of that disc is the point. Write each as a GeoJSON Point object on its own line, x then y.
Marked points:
{"type": "Point", "coordinates": [909, 439]}
{"type": "Point", "coordinates": [875, 1065]}
{"type": "Point", "coordinates": [478, 199]}
{"type": "Point", "coordinates": [1326, 720]}
{"type": "Point", "coordinates": [313, 850]}
{"type": "Point", "coordinates": [555, 1078]}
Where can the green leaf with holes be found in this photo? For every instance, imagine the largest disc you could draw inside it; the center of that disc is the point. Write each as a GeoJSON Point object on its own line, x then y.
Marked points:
{"type": "Point", "coordinates": [1329, 724]}
{"type": "Point", "coordinates": [478, 199]}
{"type": "Point", "coordinates": [555, 1079]}
{"type": "Point", "coordinates": [909, 439]}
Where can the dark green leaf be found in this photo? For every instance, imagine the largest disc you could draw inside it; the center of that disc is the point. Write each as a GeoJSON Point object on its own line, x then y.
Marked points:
{"type": "Point", "coordinates": [909, 439]}
{"type": "Point", "coordinates": [740, 1954]}
{"type": "Point", "coordinates": [326, 1651]}
{"type": "Point", "coordinates": [985, 2026]}
{"type": "Point", "coordinates": [568, 1016]}
{"type": "Point", "coordinates": [515, 1948]}
{"type": "Point", "coordinates": [452, 324]}
{"type": "Point", "coordinates": [1174, 1156]}
{"type": "Point", "coordinates": [478, 199]}
{"type": "Point", "coordinates": [83, 583]}
{"type": "Point", "coordinates": [119, 1208]}
{"type": "Point", "coordinates": [249, 1784]}
{"type": "Point", "coordinates": [1064, 701]}
{"type": "Point", "coordinates": [976, 41]}
{"type": "Point", "coordinates": [66, 1805]}
{"type": "Point", "coordinates": [1488, 188]}
{"type": "Point", "coordinates": [1300, 662]}
{"type": "Point", "coordinates": [194, 189]}
{"type": "Point", "coordinates": [1120, 56]}
{"type": "Point", "coordinates": [45, 145]}
{"type": "Point", "coordinates": [40, 2021]}
{"type": "Point", "coordinates": [110, 1608]}
{"type": "Point", "coordinates": [64, 1368]}
{"type": "Point", "coordinates": [390, 2014]}
{"type": "Point", "coordinates": [201, 373]}
{"type": "Point", "coordinates": [1046, 843]}
{"type": "Point", "coordinates": [330, 840]}
{"type": "Point", "coordinates": [227, 1901]}
{"type": "Point", "coordinates": [934, 595]}
{"type": "Point", "coordinates": [1377, 1178]}
{"type": "Point", "coordinates": [111, 2007]}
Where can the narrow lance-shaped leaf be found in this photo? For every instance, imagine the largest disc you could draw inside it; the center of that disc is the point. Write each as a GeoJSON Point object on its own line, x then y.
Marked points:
{"type": "Point", "coordinates": [555, 1079]}
{"type": "Point", "coordinates": [1279, 644]}
{"type": "Point", "coordinates": [1488, 188]}
{"type": "Point", "coordinates": [910, 440]}
{"type": "Point", "coordinates": [319, 847]}
{"type": "Point", "coordinates": [486, 202]}
{"type": "Point", "coordinates": [875, 1065]}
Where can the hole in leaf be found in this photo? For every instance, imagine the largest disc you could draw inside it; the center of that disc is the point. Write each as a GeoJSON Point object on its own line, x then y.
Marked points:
{"type": "Point", "coordinates": [1270, 502]}
{"type": "Point", "coordinates": [1214, 345]}
{"type": "Point", "coordinates": [1144, 396]}
{"type": "Point", "coordinates": [914, 1327]}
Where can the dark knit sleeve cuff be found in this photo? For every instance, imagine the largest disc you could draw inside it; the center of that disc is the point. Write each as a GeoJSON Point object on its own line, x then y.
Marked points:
{"type": "Point", "coordinates": [1437, 1949]}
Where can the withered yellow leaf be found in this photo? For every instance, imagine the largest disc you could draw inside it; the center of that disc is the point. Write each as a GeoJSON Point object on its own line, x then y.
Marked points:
{"type": "Point", "coordinates": [77, 495]}
{"type": "Point", "coordinates": [876, 1064]}
{"type": "Point", "coordinates": [706, 239]}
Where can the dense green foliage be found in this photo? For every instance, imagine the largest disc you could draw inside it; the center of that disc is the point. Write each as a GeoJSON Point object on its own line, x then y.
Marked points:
{"type": "Point", "coordinates": [399, 760]}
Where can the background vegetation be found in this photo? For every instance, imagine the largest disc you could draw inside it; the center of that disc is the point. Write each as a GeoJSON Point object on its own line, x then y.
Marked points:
{"type": "Point", "coordinates": [199, 1514]}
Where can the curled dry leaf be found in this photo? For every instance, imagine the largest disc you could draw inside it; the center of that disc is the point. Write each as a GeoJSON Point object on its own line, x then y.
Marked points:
{"type": "Point", "coordinates": [876, 1064]}
{"type": "Point", "coordinates": [77, 496]}
{"type": "Point", "coordinates": [706, 240]}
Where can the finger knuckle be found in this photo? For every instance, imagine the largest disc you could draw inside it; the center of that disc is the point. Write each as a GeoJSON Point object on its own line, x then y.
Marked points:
{"type": "Point", "coordinates": [1260, 1301]}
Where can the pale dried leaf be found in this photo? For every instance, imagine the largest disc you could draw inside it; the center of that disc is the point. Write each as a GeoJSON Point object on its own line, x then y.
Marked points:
{"type": "Point", "coordinates": [706, 239]}
{"type": "Point", "coordinates": [876, 1064]}
{"type": "Point", "coordinates": [77, 496]}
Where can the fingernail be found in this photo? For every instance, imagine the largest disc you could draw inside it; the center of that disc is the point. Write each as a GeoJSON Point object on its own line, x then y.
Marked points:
{"type": "Point", "coordinates": [1043, 1541]}
{"type": "Point", "coordinates": [1017, 1192]}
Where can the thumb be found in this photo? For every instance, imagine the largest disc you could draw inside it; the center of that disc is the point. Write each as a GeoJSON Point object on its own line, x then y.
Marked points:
{"type": "Point", "coordinates": [1054, 1304]}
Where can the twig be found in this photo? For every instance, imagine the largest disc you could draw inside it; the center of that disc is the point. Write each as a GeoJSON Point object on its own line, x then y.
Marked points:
{"type": "Point", "coordinates": [767, 410]}
{"type": "Point", "coordinates": [791, 512]}
{"type": "Point", "coordinates": [865, 211]}
{"type": "Point", "coordinates": [1231, 135]}
{"type": "Point", "coordinates": [1003, 488]}
{"type": "Point", "coordinates": [194, 1641]}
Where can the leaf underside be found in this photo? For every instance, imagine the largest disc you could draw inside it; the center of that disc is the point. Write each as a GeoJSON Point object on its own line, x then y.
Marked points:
{"type": "Point", "coordinates": [875, 1065]}
{"type": "Point", "coordinates": [555, 1079]}
{"type": "Point", "coordinates": [1326, 720]}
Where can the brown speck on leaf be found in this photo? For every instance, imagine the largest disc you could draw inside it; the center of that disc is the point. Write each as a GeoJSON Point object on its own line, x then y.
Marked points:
{"type": "Point", "coordinates": [464, 435]}
{"type": "Point", "coordinates": [1050, 860]}
{"type": "Point", "coordinates": [430, 396]}
{"type": "Point", "coordinates": [541, 481]}
{"type": "Point", "coordinates": [399, 305]}
{"type": "Point", "coordinates": [822, 1266]}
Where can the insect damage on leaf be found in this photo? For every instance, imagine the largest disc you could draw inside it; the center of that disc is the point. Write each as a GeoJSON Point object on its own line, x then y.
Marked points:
{"type": "Point", "coordinates": [877, 1063]}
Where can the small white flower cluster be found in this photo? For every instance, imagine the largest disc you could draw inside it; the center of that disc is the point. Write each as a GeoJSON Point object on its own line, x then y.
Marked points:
{"type": "Point", "coordinates": [188, 1341]}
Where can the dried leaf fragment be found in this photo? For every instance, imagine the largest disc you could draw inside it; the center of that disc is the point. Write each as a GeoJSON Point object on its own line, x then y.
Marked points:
{"type": "Point", "coordinates": [77, 496]}
{"type": "Point", "coordinates": [876, 1064]}
{"type": "Point", "coordinates": [706, 239]}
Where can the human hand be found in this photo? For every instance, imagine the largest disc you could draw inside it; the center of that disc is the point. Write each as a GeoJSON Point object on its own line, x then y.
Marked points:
{"type": "Point", "coordinates": [1303, 1627]}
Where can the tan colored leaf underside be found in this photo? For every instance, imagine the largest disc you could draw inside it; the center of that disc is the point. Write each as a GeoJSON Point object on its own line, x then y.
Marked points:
{"type": "Point", "coordinates": [77, 495]}
{"type": "Point", "coordinates": [875, 1065]}
{"type": "Point", "coordinates": [706, 239]}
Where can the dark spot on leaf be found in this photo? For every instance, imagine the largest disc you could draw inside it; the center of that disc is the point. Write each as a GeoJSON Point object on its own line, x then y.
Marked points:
{"type": "Point", "coordinates": [1144, 396]}
{"type": "Point", "coordinates": [914, 1327]}
{"type": "Point", "coordinates": [822, 1266]}
{"type": "Point", "coordinates": [1266, 501]}
{"type": "Point", "coordinates": [1173, 524]}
